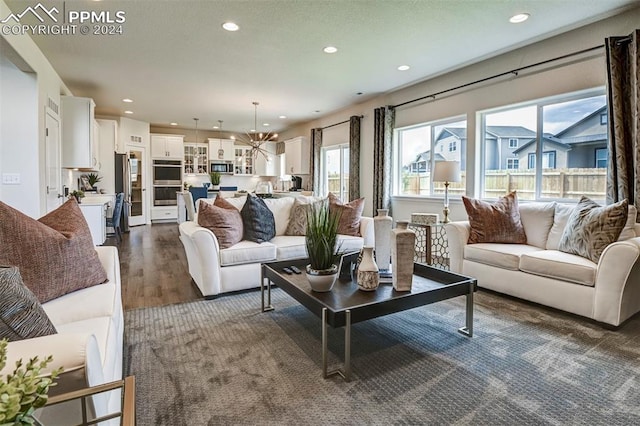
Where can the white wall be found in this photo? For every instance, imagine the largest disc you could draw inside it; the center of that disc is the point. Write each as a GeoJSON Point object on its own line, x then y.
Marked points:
{"type": "Point", "coordinates": [578, 74]}
{"type": "Point", "coordinates": [48, 85]}
{"type": "Point", "coordinates": [19, 137]}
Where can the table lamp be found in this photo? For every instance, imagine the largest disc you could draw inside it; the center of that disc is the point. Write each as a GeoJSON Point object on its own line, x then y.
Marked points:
{"type": "Point", "coordinates": [446, 171]}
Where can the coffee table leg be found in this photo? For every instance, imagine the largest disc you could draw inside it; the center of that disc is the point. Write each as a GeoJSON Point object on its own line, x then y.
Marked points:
{"type": "Point", "coordinates": [467, 330]}
{"type": "Point", "coordinates": [268, 307]}
{"type": "Point", "coordinates": [346, 372]}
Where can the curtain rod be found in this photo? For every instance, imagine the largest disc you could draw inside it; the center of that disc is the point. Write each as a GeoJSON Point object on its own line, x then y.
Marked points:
{"type": "Point", "coordinates": [513, 71]}
{"type": "Point", "coordinates": [337, 124]}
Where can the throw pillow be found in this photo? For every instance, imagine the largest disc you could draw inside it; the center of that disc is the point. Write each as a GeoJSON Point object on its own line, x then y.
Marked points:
{"type": "Point", "coordinates": [258, 221]}
{"type": "Point", "coordinates": [298, 219]}
{"type": "Point", "coordinates": [55, 254]}
{"type": "Point", "coordinates": [21, 315]}
{"type": "Point", "coordinates": [350, 214]}
{"type": "Point", "coordinates": [591, 228]}
{"type": "Point", "coordinates": [224, 222]}
{"type": "Point", "coordinates": [495, 223]}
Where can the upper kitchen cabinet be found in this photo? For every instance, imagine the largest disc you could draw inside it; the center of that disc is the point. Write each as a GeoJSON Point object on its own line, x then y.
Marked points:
{"type": "Point", "coordinates": [227, 145]}
{"type": "Point", "coordinates": [167, 147]}
{"type": "Point", "coordinates": [297, 155]}
{"type": "Point", "coordinates": [79, 141]}
{"type": "Point", "coordinates": [267, 165]}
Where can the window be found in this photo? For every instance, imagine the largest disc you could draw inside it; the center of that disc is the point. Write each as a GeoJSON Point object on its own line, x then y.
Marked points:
{"type": "Point", "coordinates": [603, 118]}
{"type": "Point", "coordinates": [513, 143]}
{"type": "Point", "coordinates": [572, 134]}
{"type": "Point", "coordinates": [601, 158]}
{"type": "Point", "coordinates": [413, 159]}
{"type": "Point", "coordinates": [335, 171]}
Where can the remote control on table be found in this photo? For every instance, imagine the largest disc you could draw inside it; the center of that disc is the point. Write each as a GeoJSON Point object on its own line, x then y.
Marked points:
{"type": "Point", "coordinates": [295, 269]}
{"type": "Point", "coordinates": [287, 271]}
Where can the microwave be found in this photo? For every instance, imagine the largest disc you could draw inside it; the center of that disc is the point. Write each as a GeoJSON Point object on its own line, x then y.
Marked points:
{"type": "Point", "coordinates": [222, 167]}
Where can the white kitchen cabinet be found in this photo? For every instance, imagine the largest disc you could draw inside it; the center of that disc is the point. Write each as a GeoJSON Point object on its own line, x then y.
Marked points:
{"type": "Point", "coordinates": [95, 213]}
{"type": "Point", "coordinates": [243, 163]}
{"type": "Point", "coordinates": [167, 147]}
{"type": "Point", "coordinates": [196, 158]}
{"type": "Point", "coordinates": [297, 152]}
{"type": "Point", "coordinates": [268, 166]}
{"type": "Point", "coordinates": [226, 144]}
{"type": "Point", "coordinates": [164, 213]}
{"type": "Point", "coordinates": [79, 148]}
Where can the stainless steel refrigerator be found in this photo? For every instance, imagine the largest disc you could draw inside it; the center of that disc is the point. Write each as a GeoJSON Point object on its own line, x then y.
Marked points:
{"type": "Point", "coordinates": [123, 184]}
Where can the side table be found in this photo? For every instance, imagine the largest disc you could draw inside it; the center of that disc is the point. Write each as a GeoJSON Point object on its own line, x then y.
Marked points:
{"type": "Point", "coordinates": [432, 246]}
{"type": "Point", "coordinates": [126, 415]}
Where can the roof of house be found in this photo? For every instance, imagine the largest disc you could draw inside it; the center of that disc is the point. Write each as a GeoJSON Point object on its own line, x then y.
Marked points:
{"type": "Point", "coordinates": [568, 129]}
{"type": "Point", "coordinates": [496, 131]}
{"type": "Point", "coordinates": [547, 140]}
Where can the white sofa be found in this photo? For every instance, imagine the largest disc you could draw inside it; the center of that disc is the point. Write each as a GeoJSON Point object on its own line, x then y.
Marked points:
{"type": "Point", "coordinates": [217, 271]}
{"type": "Point", "coordinates": [88, 345]}
{"type": "Point", "coordinates": [608, 292]}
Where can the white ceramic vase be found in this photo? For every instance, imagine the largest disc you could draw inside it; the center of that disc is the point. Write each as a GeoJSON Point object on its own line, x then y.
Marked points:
{"type": "Point", "coordinates": [403, 246]}
{"type": "Point", "coordinates": [368, 278]}
{"type": "Point", "coordinates": [382, 224]}
{"type": "Point", "coordinates": [322, 280]}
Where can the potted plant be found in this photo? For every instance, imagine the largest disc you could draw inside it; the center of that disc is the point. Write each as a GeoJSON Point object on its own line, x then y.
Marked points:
{"type": "Point", "coordinates": [215, 179]}
{"type": "Point", "coordinates": [321, 240]}
{"type": "Point", "coordinates": [78, 195]}
{"type": "Point", "coordinates": [23, 390]}
{"type": "Point", "coordinates": [93, 179]}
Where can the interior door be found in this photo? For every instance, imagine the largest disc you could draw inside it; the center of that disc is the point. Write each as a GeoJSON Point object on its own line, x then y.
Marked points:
{"type": "Point", "coordinates": [54, 195]}
{"type": "Point", "coordinates": [138, 195]}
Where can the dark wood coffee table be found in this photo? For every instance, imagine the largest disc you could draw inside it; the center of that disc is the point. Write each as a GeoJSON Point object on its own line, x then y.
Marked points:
{"type": "Point", "coordinates": [345, 304]}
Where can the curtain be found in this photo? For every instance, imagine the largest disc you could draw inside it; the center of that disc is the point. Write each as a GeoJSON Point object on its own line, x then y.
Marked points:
{"type": "Point", "coordinates": [354, 157]}
{"type": "Point", "coordinates": [384, 122]}
{"type": "Point", "coordinates": [316, 145]}
{"type": "Point", "coordinates": [280, 148]}
{"type": "Point", "coordinates": [623, 87]}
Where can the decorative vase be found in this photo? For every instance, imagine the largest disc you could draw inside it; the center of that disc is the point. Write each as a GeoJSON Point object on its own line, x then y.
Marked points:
{"type": "Point", "coordinates": [206, 185]}
{"type": "Point", "coordinates": [403, 242]}
{"type": "Point", "coordinates": [382, 228]}
{"type": "Point", "coordinates": [368, 278]}
{"type": "Point", "coordinates": [322, 280]}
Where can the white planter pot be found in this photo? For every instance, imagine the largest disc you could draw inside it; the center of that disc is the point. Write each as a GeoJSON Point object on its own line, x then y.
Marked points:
{"type": "Point", "coordinates": [322, 280]}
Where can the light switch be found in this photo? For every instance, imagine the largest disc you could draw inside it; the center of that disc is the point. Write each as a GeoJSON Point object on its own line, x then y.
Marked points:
{"type": "Point", "coordinates": [11, 178]}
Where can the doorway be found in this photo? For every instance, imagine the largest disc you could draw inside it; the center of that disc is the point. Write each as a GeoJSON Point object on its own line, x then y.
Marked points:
{"type": "Point", "coordinates": [138, 196]}
{"type": "Point", "coordinates": [53, 179]}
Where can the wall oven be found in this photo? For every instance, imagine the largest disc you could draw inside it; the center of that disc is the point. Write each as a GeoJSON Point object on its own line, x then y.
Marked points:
{"type": "Point", "coordinates": [222, 167]}
{"type": "Point", "coordinates": [167, 172]}
{"type": "Point", "coordinates": [165, 195]}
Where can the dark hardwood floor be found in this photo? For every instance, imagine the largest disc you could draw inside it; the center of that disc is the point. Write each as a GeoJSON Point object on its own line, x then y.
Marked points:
{"type": "Point", "coordinates": [153, 267]}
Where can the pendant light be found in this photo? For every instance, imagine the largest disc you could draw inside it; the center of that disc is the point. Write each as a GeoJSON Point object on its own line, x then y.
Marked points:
{"type": "Point", "coordinates": [220, 150]}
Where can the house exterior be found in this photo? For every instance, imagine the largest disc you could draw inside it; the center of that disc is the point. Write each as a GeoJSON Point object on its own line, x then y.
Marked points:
{"type": "Point", "coordinates": [581, 145]}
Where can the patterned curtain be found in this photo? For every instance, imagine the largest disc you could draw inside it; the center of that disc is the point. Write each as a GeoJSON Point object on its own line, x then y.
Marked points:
{"type": "Point", "coordinates": [354, 157]}
{"type": "Point", "coordinates": [316, 144]}
{"type": "Point", "coordinates": [280, 148]}
{"type": "Point", "coordinates": [384, 122]}
{"type": "Point", "coordinates": [623, 87]}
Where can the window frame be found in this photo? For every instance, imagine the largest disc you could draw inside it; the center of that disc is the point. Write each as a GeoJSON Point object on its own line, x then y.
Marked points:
{"type": "Point", "coordinates": [514, 146]}
{"type": "Point", "coordinates": [606, 158]}
{"type": "Point", "coordinates": [540, 104]}
{"type": "Point", "coordinates": [514, 160]}
{"type": "Point", "coordinates": [397, 156]}
{"type": "Point", "coordinates": [323, 168]}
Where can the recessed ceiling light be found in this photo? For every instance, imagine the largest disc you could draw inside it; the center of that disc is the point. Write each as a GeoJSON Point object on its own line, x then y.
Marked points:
{"type": "Point", "coordinates": [520, 17]}
{"type": "Point", "coordinates": [128, 112]}
{"type": "Point", "coordinates": [174, 124]}
{"type": "Point", "coordinates": [252, 130]}
{"type": "Point", "coordinates": [216, 127]}
{"type": "Point", "coordinates": [330, 49]}
{"type": "Point", "coordinates": [283, 116]}
{"type": "Point", "coordinates": [127, 100]}
{"type": "Point", "coordinates": [233, 137]}
{"type": "Point", "coordinates": [230, 26]}
{"type": "Point", "coordinates": [265, 124]}
{"type": "Point", "coordinates": [403, 67]}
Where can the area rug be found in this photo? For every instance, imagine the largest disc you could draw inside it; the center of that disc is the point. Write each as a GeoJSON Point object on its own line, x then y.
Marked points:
{"type": "Point", "coordinates": [222, 362]}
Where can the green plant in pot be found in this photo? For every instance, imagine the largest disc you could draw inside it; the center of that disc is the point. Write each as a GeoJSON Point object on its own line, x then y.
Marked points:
{"type": "Point", "coordinates": [93, 179]}
{"type": "Point", "coordinates": [78, 195]}
{"type": "Point", "coordinates": [321, 240]}
{"type": "Point", "coordinates": [24, 389]}
{"type": "Point", "coordinates": [215, 179]}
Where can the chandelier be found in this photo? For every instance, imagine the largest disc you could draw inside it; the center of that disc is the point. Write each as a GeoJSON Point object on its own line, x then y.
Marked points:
{"type": "Point", "coordinates": [256, 140]}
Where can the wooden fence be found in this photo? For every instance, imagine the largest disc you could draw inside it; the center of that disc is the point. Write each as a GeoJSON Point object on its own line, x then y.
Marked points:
{"type": "Point", "coordinates": [556, 183]}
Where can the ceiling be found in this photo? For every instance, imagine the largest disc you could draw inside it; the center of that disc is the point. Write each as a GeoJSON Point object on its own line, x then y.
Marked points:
{"type": "Point", "coordinates": [176, 62]}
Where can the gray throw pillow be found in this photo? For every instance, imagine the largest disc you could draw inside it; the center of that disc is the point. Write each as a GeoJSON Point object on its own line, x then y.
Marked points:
{"type": "Point", "coordinates": [591, 228]}
{"type": "Point", "coordinates": [257, 220]}
{"type": "Point", "coordinates": [21, 315]}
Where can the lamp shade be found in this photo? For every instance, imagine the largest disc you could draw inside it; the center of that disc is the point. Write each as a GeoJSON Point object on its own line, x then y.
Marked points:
{"type": "Point", "coordinates": [446, 171]}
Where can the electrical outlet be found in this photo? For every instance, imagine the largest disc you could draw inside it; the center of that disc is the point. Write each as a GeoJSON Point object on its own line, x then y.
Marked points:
{"type": "Point", "coordinates": [11, 178]}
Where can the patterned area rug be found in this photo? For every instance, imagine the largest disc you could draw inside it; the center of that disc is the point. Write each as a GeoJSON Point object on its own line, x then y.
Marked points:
{"type": "Point", "coordinates": [223, 362]}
